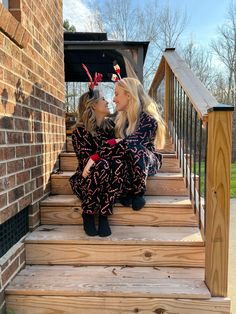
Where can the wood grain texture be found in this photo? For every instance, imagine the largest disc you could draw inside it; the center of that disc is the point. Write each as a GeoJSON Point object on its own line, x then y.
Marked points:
{"type": "Point", "coordinates": [131, 255]}
{"type": "Point", "coordinates": [148, 216]}
{"type": "Point", "coordinates": [218, 201]}
{"type": "Point", "coordinates": [130, 235]}
{"type": "Point", "coordinates": [110, 281]}
{"type": "Point", "coordinates": [198, 94]}
{"type": "Point", "coordinates": [160, 184]}
{"type": "Point", "coordinates": [111, 305]}
{"type": "Point", "coordinates": [69, 162]}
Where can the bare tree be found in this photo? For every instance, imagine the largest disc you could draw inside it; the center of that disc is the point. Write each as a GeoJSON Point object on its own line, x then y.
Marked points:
{"type": "Point", "coordinates": [126, 20]}
{"type": "Point", "coordinates": [199, 60]}
{"type": "Point", "coordinates": [225, 48]}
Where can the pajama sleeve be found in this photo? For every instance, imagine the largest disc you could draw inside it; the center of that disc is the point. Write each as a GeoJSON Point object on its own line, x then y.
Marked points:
{"type": "Point", "coordinates": [83, 143]}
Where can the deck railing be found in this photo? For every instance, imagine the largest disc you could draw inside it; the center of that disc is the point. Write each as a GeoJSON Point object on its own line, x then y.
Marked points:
{"type": "Point", "coordinates": [201, 131]}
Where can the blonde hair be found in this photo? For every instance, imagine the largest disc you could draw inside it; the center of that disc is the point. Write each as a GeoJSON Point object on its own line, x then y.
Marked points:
{"type": "Point", "coordinates": [139, 101]}
{"type": "Point", "coordinates": [86, 114]}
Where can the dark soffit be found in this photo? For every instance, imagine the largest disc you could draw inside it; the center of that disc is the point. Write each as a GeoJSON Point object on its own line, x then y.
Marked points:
{"type": "Point", "coordinates": [98, 53]}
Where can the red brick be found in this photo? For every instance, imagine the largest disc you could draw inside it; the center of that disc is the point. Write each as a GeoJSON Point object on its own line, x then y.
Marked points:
{"type": "Point", "coordinates": [4, 18]}
{"type": "Point", "coordinates": [23, 177]}
{"type": "Point", "coordinates": [26, 112]}
{"type": "Point", "coordinates": [30, 162]}
{"type": "Point", "coordinates": [3, 201]}
{"type": "Point", "coordinates": [7, 153]}
{"type": "Point", "coordinates": [15, 194]}
{"type": "Point", "coordinates": [3, 184]}
{"type": "Point", "coordinates": [30, 186]}
{"type": "Point", "coordinates": [19, 32]}
{"type": "Point", "coordinates": [36, 172]}
{"type": "Point", "coordinates": [17, 16]}
{"type": "Point", "coordinates": [25, 201]}
{"type": "Point", "coordinates": [37, 194]}
{"type": "Point", "coordinates": [29, 137]}
{"type": "Point", "coordinates": [8, 212]}
{"type": "Point", "coordinates": [6, 123]}
{"type": "Point", "coordinates": [27, 61]}
{"type": "Point", "coordinates": [2, 138]}
{"type": "Point", "coordinates": [36, 149]}
{"type": "Point", "coordinates": [26, 39]}
{"type": "Point", "coordinates": [14, 137]}
{"type": "Point", "coordinates": [12, 26]}
{"type": "Point", "coordinates": [22, 151]}
{"type": "Point", "coordinates": [10, 78]}
{"type": "Point", "coordinates": [39, 181]}
{"type": "Point", "coordinates": [8, 273]}
{"type": "Point", "coordinates": [3, 169]}
{"type": "Point", "coordinates": [34, 220]}
{"type": "Point", "coordinates": [14, 166]}
{"type": "Point", "coordinates": [7, 183]}
{"type": "Point", "coordinates": [22, 125]}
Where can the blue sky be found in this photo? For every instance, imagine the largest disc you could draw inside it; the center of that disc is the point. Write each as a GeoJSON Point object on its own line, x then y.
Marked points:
{"type": "Point", "coordinates": [204, 16]}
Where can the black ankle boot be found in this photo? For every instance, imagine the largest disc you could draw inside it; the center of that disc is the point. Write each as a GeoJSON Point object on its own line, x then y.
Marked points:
{"type": "Point", "coordinates": [138, 202]}
{"type": "Point", "coordinates": [89, 225]}
{"type": "Point", "coordinates": [104, 229]}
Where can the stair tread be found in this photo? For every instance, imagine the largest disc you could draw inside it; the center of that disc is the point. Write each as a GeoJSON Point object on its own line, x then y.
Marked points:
{"type": "Point", "coordinates": [130, 235]}
{"type": "Point", "coordinates": [117, 281]}
{"type": "Point", "coordinates": [158, 176]}
{"type": "Point", "coordinates": [151, 201]}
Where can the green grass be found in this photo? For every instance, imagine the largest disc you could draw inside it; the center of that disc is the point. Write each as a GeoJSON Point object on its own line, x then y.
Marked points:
{"type": "Point", "coordinates": [233, 179]}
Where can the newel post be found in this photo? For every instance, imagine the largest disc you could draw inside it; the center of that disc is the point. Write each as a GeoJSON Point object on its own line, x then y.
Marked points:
{"type": "Point", "coordinates": [169, 94]}
{"type": "Point", "coordinates": [219, 150]}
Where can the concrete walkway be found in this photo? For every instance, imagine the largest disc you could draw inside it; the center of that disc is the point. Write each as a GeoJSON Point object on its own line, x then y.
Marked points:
{"type": "Point", "coordinates": [232, 256]}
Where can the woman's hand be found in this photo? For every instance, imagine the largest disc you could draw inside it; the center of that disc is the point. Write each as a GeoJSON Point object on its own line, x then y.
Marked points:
{"type": "Point", "coordinates": [118, 140]}
{"type": "Point", "coordinates": [87, 168]}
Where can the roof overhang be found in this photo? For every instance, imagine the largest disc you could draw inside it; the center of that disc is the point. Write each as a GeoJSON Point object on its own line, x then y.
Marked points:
{"type": "Point", "coordinates": [98, 56]}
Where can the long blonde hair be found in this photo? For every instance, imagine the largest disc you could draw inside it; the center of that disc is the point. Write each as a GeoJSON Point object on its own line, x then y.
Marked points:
{"type": "Point", "coordinates": [86, 114]}
{"type": "Point", "coordinates": [139, 101]}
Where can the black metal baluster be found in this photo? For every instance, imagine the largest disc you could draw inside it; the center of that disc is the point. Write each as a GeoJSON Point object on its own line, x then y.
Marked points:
{"type": "Point", "coordinates": [194, 158]}
{"type": "Point", "coordinates": [199, 167]}
{"type": "Point", "coordinates": [190, 149]}
{"type": "Point", "coordinates": [205, 181]}
{"type": "Point", "coordinates": [187, 142]}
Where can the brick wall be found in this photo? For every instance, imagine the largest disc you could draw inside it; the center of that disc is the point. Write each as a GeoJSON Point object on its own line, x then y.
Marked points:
{"type": "Point", "coordinates": [32, 126]}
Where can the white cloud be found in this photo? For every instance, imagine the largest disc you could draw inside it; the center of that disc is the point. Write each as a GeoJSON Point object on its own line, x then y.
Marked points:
{"type": "Point", "coordinates": [78, 14]}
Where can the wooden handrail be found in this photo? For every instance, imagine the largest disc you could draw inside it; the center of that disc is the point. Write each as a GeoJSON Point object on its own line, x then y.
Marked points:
{"type": "Point", "coordinates": [180, 82]}
{"type": "Point", "coordinates": [200, 97]}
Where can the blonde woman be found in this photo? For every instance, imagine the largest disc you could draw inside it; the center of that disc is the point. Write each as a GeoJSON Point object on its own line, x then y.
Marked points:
{"type": "Point", "coordinates": [141, 131]}
{"type": "Point", "coordinates": [97, 180]}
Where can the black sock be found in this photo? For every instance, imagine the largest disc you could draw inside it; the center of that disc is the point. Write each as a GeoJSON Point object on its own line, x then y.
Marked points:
{"type": "Point", "coordinates": [89, 225]}
{"type": "Point", "coordinates": [104, 229]}
{"type": "Point", "coordinates": [138, 201]}
{"type": "Point", "coordinates": [126, 200]}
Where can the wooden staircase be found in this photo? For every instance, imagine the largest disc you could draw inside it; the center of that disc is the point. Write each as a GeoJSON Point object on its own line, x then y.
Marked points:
{"type": "Point", "coordinates": [152, 263]}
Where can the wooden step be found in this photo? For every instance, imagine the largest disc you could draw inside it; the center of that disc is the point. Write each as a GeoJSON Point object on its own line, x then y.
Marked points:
{"type": "Point", "coordinates": [160, 184]}
{"type": "Point", "coordinates": [168, 149]}
{"type": "Point", "coordinates": [158, 211]}
{"type": "Point", "coordinates": [111, 290]}
{"type": "Point", "coordinates": [128, 245]}
{"type": "Point", "coordinates": [52, 304]}
{"type": "Point", "coordinates": [112, 281]}
{"type": "Point", "coordinates": [69, 162]}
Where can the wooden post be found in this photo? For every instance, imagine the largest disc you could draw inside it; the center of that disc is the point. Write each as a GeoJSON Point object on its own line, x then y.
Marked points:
{"type": "Point", "coordinates": [219, 149]}
{"type": "Point", "coordinates": [167, 92]}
